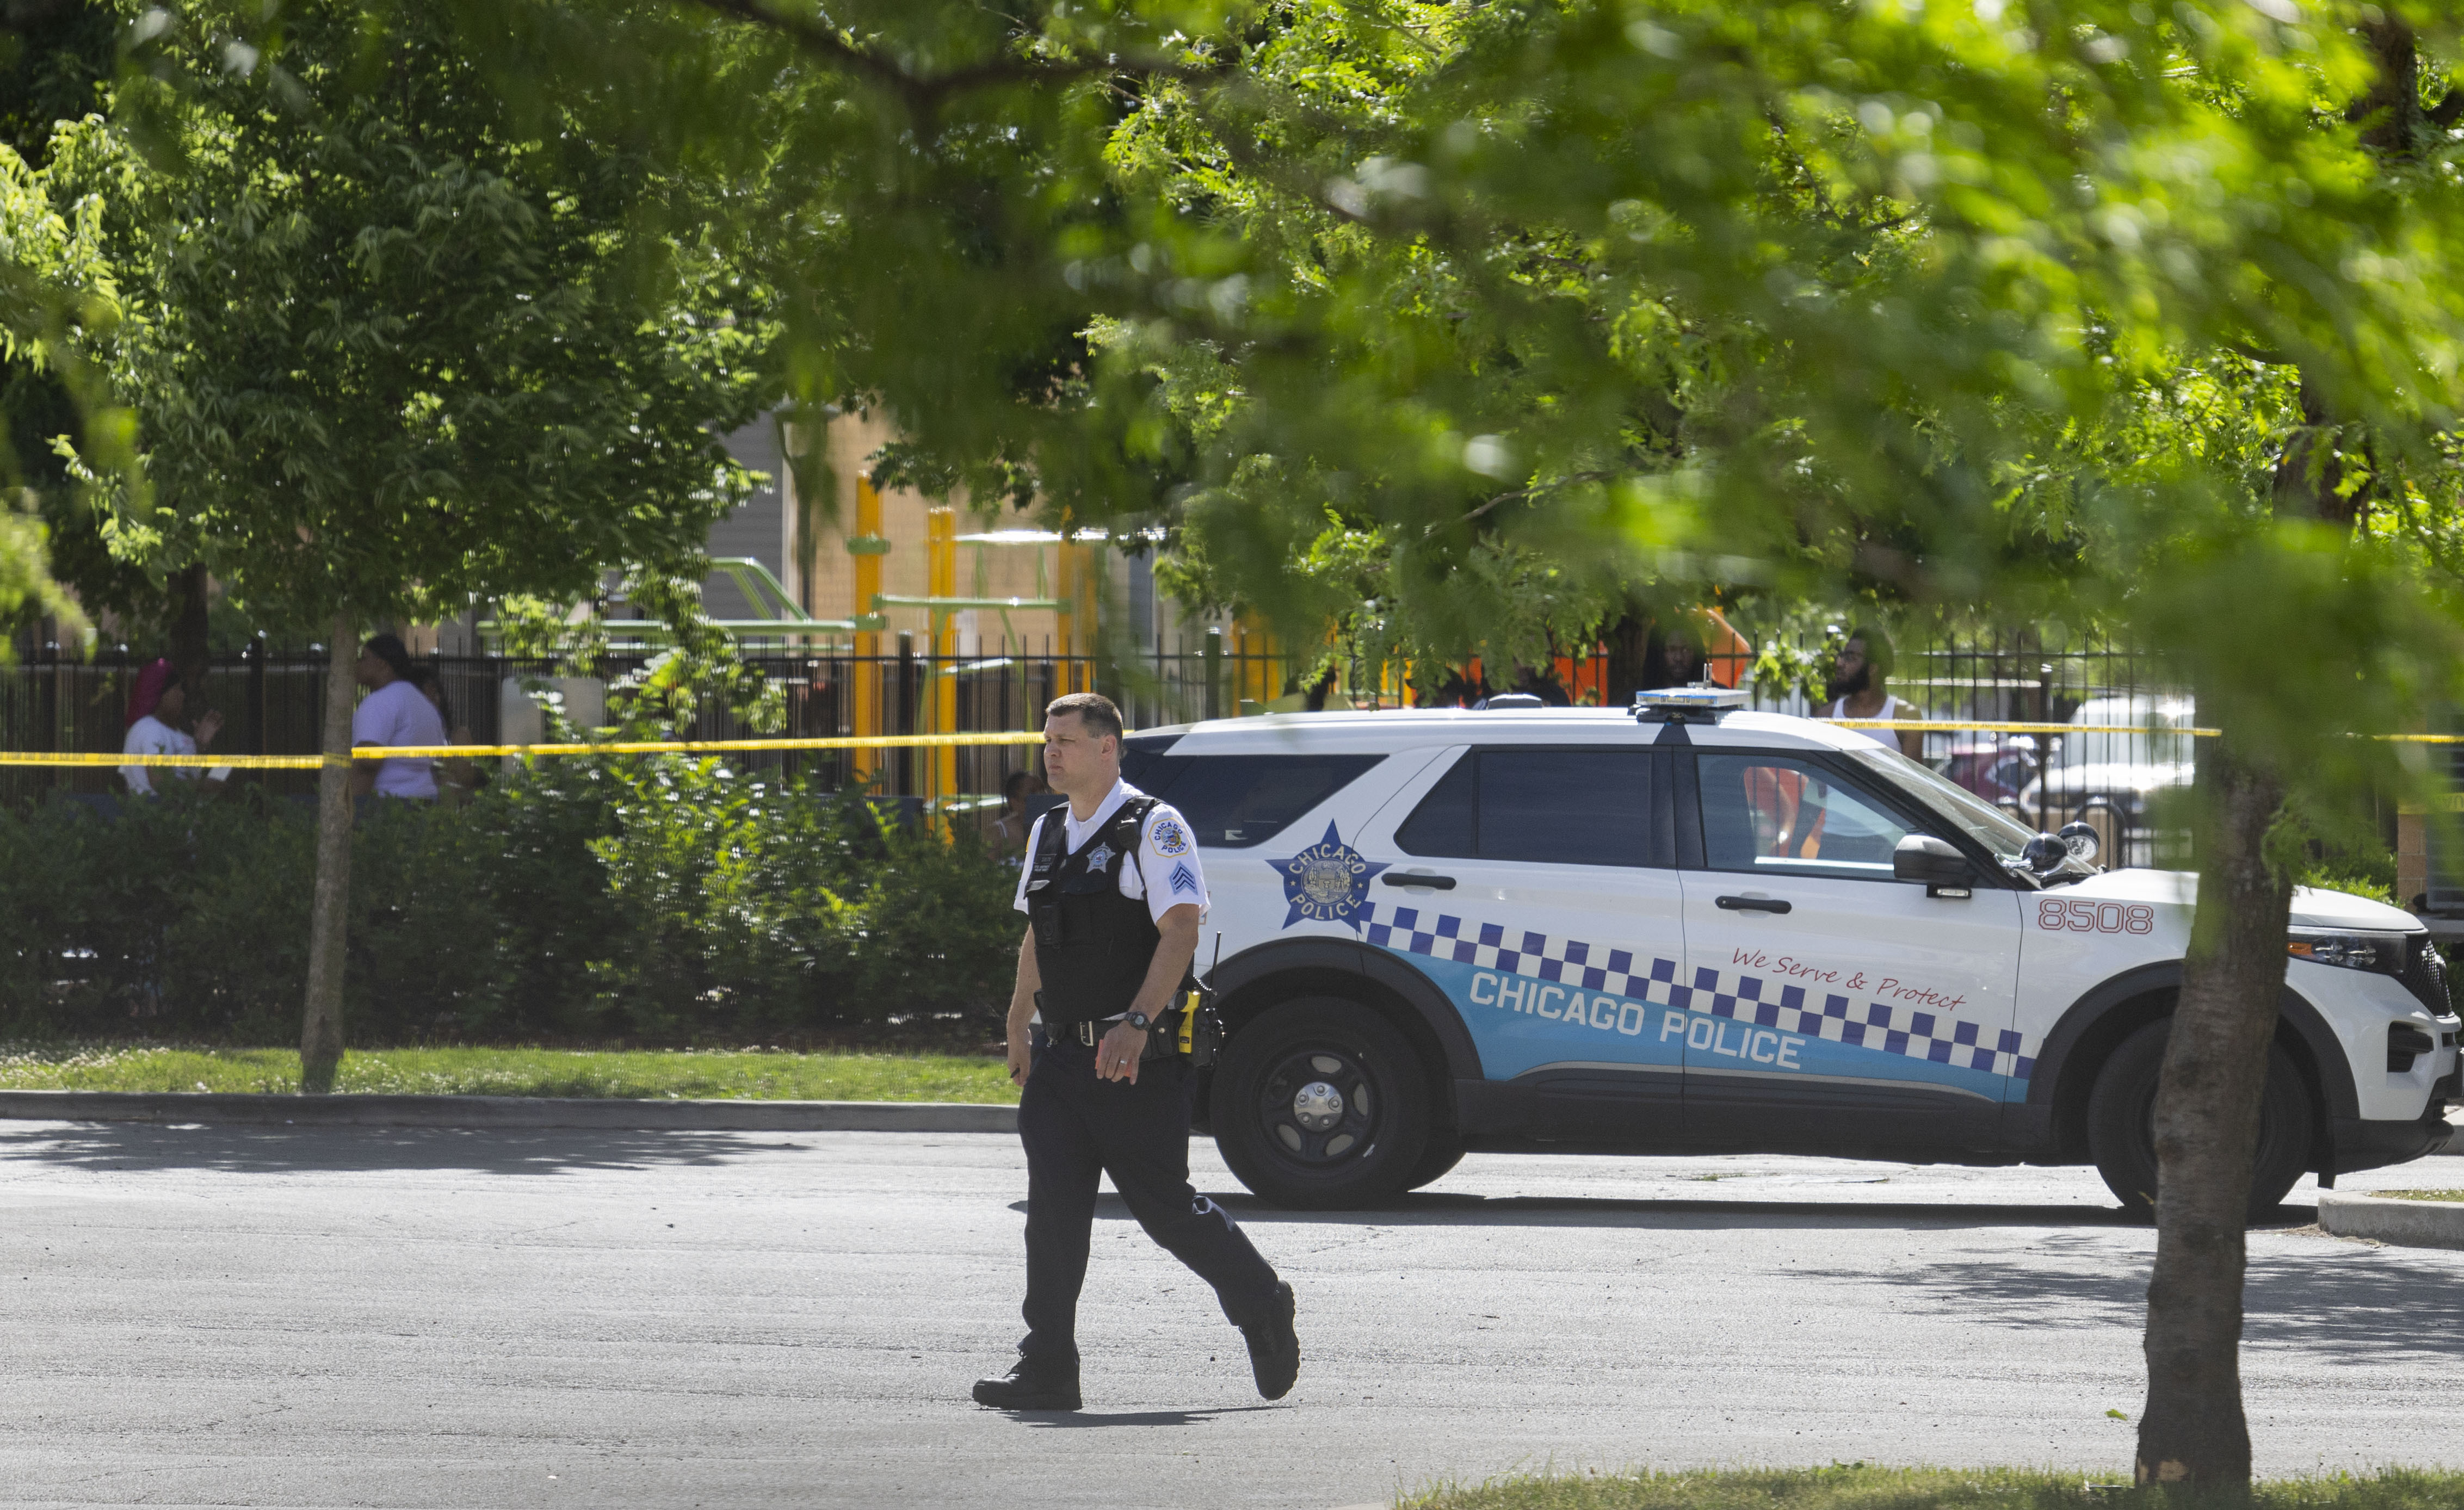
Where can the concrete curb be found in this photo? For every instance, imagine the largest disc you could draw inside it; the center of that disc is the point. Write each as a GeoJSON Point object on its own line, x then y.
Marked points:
{"type": "Point", "coordinates": [508, 1111]}
{"type": "Point", "coordinates": [2410, 1224]}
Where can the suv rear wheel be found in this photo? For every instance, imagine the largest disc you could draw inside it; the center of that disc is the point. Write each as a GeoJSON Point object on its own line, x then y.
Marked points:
{"type": "Point", "coordinates": [1320, 1105]}
{"type": "Point", "coordinates": [2121, 1126]}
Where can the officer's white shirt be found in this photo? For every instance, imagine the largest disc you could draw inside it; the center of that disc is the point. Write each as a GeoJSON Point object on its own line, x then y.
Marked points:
{"type": "Point", "coordinates": [1165, 872]}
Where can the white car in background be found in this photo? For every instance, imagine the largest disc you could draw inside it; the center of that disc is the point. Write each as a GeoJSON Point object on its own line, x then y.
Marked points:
{"type": "Point", "coordinates": [1686, 930]}
{"type": "Point", "coordinates": [2127, 771]}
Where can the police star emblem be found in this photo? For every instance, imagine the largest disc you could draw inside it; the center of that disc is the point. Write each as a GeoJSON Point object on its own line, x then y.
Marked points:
{"type": "Point", "coordinates": [1327, 882]}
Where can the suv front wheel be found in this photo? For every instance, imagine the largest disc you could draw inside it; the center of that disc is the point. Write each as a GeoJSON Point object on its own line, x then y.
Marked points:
{"type": "Point", "coordinates": [1320, 1105]}
{"type": "Point", "coordinates": [2121, 1126]}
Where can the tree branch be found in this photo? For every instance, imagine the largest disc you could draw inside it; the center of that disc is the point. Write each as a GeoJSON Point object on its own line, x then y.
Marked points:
{"type": "Point", "coordinates": [1552, 485]}
{"type": "Point", "coordinates": [923, 93]}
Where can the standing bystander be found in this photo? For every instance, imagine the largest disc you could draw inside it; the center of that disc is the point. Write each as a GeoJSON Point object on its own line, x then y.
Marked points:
{"type": "Point", "coordinates": [1009, 831]}
{"type": "Point", "coordinates": [157, 706]}
{"type": "Point", "coordinates": [457, 777]}
{"type": "Point", "coordinates": [1857, 685]}
{"type": "Point", "coordinates": [393, 714]}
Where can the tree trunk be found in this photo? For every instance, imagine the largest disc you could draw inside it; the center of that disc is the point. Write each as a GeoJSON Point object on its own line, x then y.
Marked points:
{"type": "Point", "coordinates": [2207, 1133]}
{"type": "Point", "coordinates": [321, 1029]}
{"type": "Point", "coordinates": [2215, 1064]}
{"type": "Point", "coordinates": [1629, 668]}
{"type": "Point", "coordinates": [192, 651]}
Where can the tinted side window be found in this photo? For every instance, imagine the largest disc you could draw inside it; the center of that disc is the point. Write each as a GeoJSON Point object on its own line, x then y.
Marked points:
{"type": "Point", "coordinates": [1771, 814]}
{"type": "Point", "coordinates": [1148, 764]}
{"type": "Point", "coordinates": [1442, 824]}
{"type": "Point", "coordinates": [1565, 807]}
{"type": "Point", "coordinates": [1234, 801]}
{"type": "Point", "coordinates": [1560, 807]}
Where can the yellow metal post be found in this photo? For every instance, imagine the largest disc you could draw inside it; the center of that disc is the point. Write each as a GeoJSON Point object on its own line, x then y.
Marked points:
{"type": "Point", "coordinates": [1077, 615]}
{"type": "Point", "coordinates": [867, 547]}
{"type": "Point", "coordinates": [941, 571]}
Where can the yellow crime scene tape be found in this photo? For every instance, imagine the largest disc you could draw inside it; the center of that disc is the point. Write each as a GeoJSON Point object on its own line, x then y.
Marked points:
{"type": "Point", "coordinates": [313, 762]}
{"type": "Point", "coordinates": [1945, 725]}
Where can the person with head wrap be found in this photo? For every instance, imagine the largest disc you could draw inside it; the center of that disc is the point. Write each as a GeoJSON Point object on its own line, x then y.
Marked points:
{"type": "Point", "coordinates": [157, 707]}
{"type": "Point", "coordinates": [394, 712]}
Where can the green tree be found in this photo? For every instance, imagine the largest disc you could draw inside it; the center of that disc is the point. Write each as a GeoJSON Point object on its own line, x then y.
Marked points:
{"type": "Point", "coordinates": [391, 345]}
{"type": "Point", "coordinates": [56, 59]}
{"type": "Point", "coordinates": [1835, 299]}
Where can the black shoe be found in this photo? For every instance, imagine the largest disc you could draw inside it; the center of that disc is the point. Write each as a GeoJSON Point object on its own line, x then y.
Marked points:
{"type": "Point", "coordinates": [1028, 1388]}
{"type": "Point", "coordinates": [1274, 1347]}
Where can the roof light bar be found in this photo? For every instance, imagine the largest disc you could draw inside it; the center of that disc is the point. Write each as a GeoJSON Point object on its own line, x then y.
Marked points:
{"type": "Point", "coordinates": [1687, 705]}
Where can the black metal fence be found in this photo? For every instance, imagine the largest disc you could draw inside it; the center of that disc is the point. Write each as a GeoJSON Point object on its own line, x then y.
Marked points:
{"type": "Point", "coordinates": [2119, 782]}
{"type": "Point", "coordinates": [271, 703]}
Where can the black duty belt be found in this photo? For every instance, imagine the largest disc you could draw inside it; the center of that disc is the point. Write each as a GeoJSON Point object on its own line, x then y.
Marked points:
{"type": "Point", "coordinates": [1161, 1042]}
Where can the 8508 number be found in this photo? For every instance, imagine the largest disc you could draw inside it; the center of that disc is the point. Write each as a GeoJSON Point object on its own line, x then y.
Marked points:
{"type": "Point", "coordinates": [2055, 915]}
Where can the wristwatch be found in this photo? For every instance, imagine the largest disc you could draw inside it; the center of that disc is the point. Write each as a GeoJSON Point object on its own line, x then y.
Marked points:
{"type": "Point", "coordinates": [1138, 1020]}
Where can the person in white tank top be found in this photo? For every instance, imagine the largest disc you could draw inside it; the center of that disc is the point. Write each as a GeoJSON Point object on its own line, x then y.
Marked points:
{"type": "Point", "coordinates": [1857, 682]}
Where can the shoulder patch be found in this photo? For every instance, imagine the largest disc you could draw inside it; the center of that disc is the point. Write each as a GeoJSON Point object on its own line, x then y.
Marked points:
{"type": "Point", "coordinates": [1169, 837]}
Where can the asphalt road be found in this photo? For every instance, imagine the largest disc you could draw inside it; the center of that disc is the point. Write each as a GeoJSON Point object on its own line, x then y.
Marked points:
{"type": "Point", "coordinates": [267, 1316]}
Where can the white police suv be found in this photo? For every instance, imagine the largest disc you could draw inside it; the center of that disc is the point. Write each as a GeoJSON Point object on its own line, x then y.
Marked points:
{"type": "Point", "coordinates": [1683, 928]}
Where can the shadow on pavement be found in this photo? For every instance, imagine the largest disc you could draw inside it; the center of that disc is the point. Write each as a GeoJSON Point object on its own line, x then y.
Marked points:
{"type": "Point", "coordinates": [1427, 1209]}
{"type": "Point", "coordinates": [240, 1148]}
{"type": "Point", "coordinates": [1048, 1420]}
{"type": "Point", "coordinates": [2339, 1302]}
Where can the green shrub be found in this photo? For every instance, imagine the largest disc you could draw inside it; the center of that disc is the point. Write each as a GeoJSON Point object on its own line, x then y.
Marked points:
{"type": "Point", "coordinates": [769, 906]}
{"type": "Point", "coordinates": [2363, 870]}
{"type": "Point", "coordinates": [654, 901]}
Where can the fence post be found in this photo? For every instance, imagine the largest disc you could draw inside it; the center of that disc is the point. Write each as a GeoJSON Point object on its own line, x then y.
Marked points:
{"type": "Point", "coordinates": [257, 694]}
{"type": "Point", "coordinates": [906, 718]}
{"type": "Point", "coordinates": [1077, 615]}
{"type": "Point", "coordinates": [942, 576]}
{"type": "Point", "coordinates": [1214, 671]}
{"type": "Point", "coordinates": [867, 547]}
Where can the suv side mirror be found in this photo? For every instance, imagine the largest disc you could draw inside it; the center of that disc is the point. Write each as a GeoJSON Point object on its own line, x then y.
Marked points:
{"type": "Point", "coordinates": [1922, 856]}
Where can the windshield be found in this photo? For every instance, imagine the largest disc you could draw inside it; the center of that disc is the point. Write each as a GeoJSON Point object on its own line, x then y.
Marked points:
{"type": "Point", "coordinates": [1989, 825]}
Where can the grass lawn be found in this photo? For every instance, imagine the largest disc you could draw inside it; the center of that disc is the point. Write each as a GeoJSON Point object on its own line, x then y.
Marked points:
{"type": "Point", "coordinates": [637, 1074]}
{"type": "Point", "coordinates": [2421, 1196]}
{"type": "Point", "coordinates": [1856, 1486]}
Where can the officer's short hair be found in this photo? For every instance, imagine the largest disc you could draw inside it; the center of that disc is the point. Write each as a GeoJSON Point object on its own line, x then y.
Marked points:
{"type": "Point", "coordinates": [1095, 711]}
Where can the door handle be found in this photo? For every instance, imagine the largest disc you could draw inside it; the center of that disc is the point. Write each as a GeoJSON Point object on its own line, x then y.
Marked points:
{"type": "Point", "coordinates": [1398, 878]}
{"type": "Point", "coordinates": [1749, 904]}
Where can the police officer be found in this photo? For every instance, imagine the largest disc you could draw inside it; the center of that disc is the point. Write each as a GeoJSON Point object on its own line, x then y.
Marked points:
{"type": "Point", "coordinates": [1113, 896]}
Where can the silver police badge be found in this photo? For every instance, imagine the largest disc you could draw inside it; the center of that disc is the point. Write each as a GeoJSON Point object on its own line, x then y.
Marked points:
{"type": "Point", "coordinates": [1327, 882]}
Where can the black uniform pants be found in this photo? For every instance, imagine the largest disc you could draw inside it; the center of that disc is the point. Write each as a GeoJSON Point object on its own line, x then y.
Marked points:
{"type": "Point", "coordinates": [1077, 1128]}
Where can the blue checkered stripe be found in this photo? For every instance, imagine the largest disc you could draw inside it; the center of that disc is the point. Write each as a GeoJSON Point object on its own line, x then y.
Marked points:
{"type": "Point", "coordinates": [1910, 1031]}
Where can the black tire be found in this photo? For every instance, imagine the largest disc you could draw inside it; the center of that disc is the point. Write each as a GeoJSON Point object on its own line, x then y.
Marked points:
{"type": "Point", "coordinates": [1438, 1155]}
{"type": "Point", "coordinates": [1319, 1105]}
{"type": "Point", "coordinates": [2122, 1136]}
